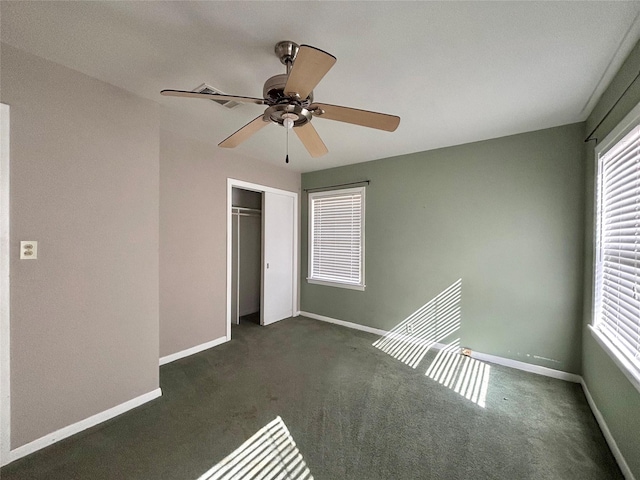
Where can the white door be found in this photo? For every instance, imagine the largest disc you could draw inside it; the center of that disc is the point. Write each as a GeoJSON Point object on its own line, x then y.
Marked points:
{"type": "Point", "coordinates": [278, 268]}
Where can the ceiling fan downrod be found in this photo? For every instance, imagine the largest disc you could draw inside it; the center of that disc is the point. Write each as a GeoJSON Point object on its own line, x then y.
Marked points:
{"type": "Point", "coordinates": [287, 51]}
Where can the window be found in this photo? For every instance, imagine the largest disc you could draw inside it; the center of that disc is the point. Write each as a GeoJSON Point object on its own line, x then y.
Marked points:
{"type": "Point", "coordinates": [616, 323]}
{"type": "Point", "coordinates": [336, 238]}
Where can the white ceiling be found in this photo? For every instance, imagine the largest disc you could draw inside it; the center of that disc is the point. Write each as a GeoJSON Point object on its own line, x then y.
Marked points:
{"type": "Point", "coordinates": [455, 72]}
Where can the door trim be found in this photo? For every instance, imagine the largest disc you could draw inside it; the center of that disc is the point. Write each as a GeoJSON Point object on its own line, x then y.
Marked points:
{"type": "Point", "coordinates": [232, 182]}
{"type": "Point", "coordinates": [5, 296]}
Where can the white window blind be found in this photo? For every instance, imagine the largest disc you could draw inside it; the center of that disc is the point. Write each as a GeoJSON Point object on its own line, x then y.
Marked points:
{"type": "Point", "coordinates": [617, 315]}
{"type": "Point", "coordinates": [336, 237]}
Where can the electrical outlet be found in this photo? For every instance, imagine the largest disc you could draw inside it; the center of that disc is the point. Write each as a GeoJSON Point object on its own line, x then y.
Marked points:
{"type": "Point", "coordinates": [28, 250]}
{"type": "Point", "coordinates": [409, 328]}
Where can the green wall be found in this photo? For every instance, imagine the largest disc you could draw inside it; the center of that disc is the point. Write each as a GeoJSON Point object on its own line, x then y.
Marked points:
{"type": "Point", "coordinates": [613, 394]}
{"type": "Point", "coordinates": [505, 215]}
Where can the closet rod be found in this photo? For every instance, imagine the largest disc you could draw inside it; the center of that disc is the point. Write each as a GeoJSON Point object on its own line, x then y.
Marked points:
{"type": "Point", "coordinates": [246, 209]}
{"type": "Point", "coordinates": [367, 182]}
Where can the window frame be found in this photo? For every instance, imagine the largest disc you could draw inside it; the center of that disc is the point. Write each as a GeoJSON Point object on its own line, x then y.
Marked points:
{"type": "Point", "coordinates": [630, 368]}
{"type": "Point", "coordinates": [336, 283]}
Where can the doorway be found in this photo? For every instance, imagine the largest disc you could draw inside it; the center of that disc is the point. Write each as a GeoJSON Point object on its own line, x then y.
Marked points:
{"type": "Point", "coordinates": [278, 255]}
{"type": "Point", "coordinates": [246, 272]}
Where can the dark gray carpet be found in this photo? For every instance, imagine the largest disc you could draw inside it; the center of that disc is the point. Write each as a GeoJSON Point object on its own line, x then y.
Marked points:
{"type": "Point", "coordinates": [353, 411]}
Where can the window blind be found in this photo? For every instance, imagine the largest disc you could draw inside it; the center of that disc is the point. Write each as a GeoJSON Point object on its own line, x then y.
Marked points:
{"type": "Point", "coordinates": [336, 236]}
{"type": "Point", "coordinates": [618, 246]}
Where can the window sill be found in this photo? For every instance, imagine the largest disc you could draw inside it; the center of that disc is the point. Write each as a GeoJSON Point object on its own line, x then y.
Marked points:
{"type": "Point", "coordinates": [630, 371]}
{"type": "Point", "coordinates": [350, 286]}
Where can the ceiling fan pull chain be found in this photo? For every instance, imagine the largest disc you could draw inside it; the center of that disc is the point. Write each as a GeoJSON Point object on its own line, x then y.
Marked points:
{"type": "Point", "coordinates": [286, 160]}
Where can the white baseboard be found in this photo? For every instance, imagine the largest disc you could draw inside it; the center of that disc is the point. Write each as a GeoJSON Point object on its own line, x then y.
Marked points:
{"type": "Point", "coordinates": [622, 463]}
{"type": "Point", "coordinates": [355, 326]}
{"type": "Point", "coordinates": [527, 367]}
{"type": "Point", "coordinates": [193, 350]}
{"type": "Point", "coordinates": [77, 427]}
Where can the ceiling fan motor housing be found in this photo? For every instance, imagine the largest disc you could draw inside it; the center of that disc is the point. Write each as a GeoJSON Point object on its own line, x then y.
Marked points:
{"type": "Point", "coordinates": [273, 91]}
{"type": "Point", "coordinates": [281, 104]}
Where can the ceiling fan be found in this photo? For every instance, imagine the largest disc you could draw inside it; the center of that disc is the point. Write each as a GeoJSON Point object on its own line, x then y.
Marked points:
{"type": "Point", "coordinates": [289, 100]}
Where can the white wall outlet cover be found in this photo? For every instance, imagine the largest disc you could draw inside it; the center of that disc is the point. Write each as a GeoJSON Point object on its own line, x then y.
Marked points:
{"type": "Point", "coordinates": [28, 250]}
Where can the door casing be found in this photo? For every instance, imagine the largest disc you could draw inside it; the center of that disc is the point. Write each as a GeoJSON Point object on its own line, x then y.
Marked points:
{"type": "Point", "coordinates": [231, 183]}
{"type": "Point", "coordinates": [5, 319]}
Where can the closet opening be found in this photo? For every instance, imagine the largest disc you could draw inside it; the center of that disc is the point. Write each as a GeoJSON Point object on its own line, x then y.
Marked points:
{"type": "Point", "coordinates": [246, 272]}
{"type": "Point", "coordinates": [262, 254]}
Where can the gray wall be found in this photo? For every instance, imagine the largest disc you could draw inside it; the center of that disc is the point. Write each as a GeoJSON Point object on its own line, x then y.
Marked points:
{"type": "Point", "coordinates": [84, 184]}
{"type": "Point", "coordinates": [615, 397]}
{"type": "Point", "coordinates": [505, 215]}
{"type": "Point", "coordinates": [193, 238]}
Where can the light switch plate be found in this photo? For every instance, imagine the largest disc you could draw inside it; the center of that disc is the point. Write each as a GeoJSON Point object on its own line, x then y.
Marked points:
{"type": "Point", "coordinates": [28, 250]}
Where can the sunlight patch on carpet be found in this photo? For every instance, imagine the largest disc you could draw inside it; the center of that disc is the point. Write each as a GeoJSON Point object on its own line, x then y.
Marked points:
{"type": "Point", "coordinates": [464, 375]}
{"type": "Point", "coordinates": [270, 454]}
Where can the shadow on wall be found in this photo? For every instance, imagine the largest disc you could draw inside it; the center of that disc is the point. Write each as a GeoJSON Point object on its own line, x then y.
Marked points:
{"type": "Point", "coordinates": [427, 328]}
{"type": "Point", "coordinates": [411, 339]}
{"type": "Point", "coordinates": [270, 453]}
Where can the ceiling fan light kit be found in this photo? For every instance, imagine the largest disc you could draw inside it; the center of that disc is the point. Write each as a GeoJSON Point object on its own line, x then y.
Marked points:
{"type": "Point", "coordinates": [289, 100]}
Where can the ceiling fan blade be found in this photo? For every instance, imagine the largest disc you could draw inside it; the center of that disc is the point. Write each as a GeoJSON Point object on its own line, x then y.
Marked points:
{"type": "Point", "coordinates": [311, 140]}
{"type": "Point", "coordinates": [212, 96]}
{"type": "Point", "coordinates": [364, 118]}
{"type": "Point", "coordinates": [310, 65]}
{"type": "Point", "coordinates": [244, 133]}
